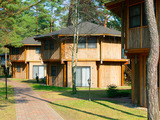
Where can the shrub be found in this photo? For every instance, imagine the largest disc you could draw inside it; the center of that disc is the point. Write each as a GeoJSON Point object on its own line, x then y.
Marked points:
{"type": "Point", "coordinates": [113, 92]}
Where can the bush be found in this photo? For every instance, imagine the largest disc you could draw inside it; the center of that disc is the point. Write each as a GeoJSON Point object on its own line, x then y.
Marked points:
{"type": "Point", "coordinates": [113, 92]}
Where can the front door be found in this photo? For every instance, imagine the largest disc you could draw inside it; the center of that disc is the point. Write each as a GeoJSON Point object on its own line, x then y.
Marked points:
{"type": "Point", "coordinates": [38, 70]}
{"type": "Point", "coordinates": [82, 76]}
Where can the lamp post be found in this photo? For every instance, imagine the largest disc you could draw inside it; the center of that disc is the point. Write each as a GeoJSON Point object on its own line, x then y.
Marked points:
{"type": "Point", "coordinates": [89, 83]}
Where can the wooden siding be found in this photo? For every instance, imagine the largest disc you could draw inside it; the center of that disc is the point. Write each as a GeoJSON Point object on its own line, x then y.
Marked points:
{"type": "Point", "coordinates": [58, 79]}
{"type": "Point", "coordinates": [31, 54]}
{"type": "Point", "coordinates": [145, 37]}
{"type": "Point", "coordinates": [20, 56]}
{"type": "Point", "coordinates": [134, 38]}
{"type": "Point", "coordinates": [83, 53]}
{"type": "Point", "coordinates": [22, 73]}
{"type": "Point", "coordinates": [110, 74]}
{"type": "Point", "coordinates": [52, 54]}
{"type": "Point", "coordinates": [111, 48]}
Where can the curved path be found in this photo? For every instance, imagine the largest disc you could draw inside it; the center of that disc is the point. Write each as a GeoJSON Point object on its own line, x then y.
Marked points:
{"type": "Point", "coordinates": [29, 105]}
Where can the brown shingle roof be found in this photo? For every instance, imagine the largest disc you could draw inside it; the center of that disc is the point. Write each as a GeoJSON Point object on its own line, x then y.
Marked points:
{"type": "Point", "coordinates": [85, 28]}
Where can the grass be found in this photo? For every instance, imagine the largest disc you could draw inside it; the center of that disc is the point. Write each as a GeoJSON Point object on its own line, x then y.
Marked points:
{"type": "Point", "coordinates": [7, 107]}
{"type": "Point", "coordinates": [77, 107]}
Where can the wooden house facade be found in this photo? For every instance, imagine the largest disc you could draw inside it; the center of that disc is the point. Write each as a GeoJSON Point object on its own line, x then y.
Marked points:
{"type": "Point", "coordinates": [135, 36]}
{"type": "Point", "coordinates": [26, 60]}
{"type": "Point", "coordinates": [99, 56]}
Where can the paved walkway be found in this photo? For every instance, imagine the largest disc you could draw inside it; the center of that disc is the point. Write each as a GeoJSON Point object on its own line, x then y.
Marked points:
{"type": "Point", "coordinates": [29, 105]}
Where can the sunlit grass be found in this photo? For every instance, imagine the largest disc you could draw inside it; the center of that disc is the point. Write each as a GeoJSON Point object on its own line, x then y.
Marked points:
{"type": "Point", "coordinates": [7, 107]}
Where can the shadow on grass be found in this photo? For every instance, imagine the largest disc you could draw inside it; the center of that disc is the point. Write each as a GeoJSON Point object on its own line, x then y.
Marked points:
{"type": "Point", "coordinates": [90, 113]}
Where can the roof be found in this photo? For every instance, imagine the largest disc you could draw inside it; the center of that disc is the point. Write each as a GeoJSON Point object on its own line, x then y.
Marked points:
{"type": "Point", "coordinates": [31, 41]}
{"type": "Point", "coordinates": [115, 6]}
{"type": "Point", "coordinates": [85, 28]}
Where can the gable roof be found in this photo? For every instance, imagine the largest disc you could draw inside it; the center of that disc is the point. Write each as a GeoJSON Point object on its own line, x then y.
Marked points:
{"type": "Point", "coordinates": [30, 41]}
{"type": "Point", "coordinates": [85, 28]}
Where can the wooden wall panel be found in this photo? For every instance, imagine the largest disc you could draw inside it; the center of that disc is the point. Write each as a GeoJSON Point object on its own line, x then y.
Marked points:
{"type": "Point", "coordinates": [145, 37]}
{"type": "Point", "coordinates": [110, 74]}
{"type": "Point", "coordinates": [32, 55]}
{"type": "Point", "coordinates": [20, 56]}
{"type": "Point", "coordinates": [111, 48]}
{"type": "Point", "coordinates": [52, 54]}
{"type": "Point", "coordinates": [83, 53]}
{"type": "Point", "coordinates": [58, 79]}
{"type": "Point", "coordinates": [134, 38]}
{"type": "Point", "coordinates": [22, 74]}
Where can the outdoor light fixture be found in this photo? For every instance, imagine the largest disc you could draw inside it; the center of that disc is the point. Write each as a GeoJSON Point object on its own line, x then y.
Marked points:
{"type": "Point", "coordinates": [89, 82]}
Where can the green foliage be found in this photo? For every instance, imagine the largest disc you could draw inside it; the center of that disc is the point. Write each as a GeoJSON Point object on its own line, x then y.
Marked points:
{"type": "Point", "coordinates": [113, 92]}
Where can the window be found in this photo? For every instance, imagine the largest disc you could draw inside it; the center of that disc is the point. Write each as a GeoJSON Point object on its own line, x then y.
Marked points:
{"type": "Point", "coordinates": [82, 76]}
{"type": "Point", "coordinates": [51, 44]}
{"type": "Point", "coordinates": [38, 50]}
{"type": "Point", "coordinates": [82, 42]}
{"type": "Point", "coordinates": [135, 16]}
{"type": "Point", "coordinates": [92, 42]}
{"type": "Point", "coordinates": [53, 70]}
{"type": "Point", "coordinates": [13, 51]}
{"type": "Point", "coordinates": [46, 45]}
{"type": "Point", "coordinates": [18, 68]}
{"type": "Point", "coordinates": [17, 50]}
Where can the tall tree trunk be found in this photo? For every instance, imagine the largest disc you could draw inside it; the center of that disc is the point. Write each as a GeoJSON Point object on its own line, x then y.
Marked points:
{"type": "Point", "coordinates": [51, 18]}
{"type": "Point", "coordinates": [152, 63]}
{"type": "Point", "coordinates": [69, 22]}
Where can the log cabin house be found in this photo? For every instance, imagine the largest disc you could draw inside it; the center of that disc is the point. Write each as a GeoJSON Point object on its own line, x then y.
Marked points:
{"type": "Point", "coordinates": [26, 60]}
{"type": "Point", "coordinates": [99, 56]}
{"type": "Point", "coordinates": [135, 36]}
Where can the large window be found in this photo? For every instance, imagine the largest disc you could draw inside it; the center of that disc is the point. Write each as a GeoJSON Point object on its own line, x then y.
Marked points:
{"type": "Point", "coordinates": [53, 70]}
{"type": "Point", "coordinates": [82, 42]}
{"type": "Point", "coordinates": [46, 43]}
{"type": "Point", "coordinates": [135, 16]}
{"type": "Point", "coordinates": [82, 76]}
{"type": "Point", "coordinates": [18, 68]}
{"type": "Point", "coordinates": [38, 50]}
{"type": "Point", "coordinates": [87, 42]}
{"type": "Point", "coordinates": [92, 42]}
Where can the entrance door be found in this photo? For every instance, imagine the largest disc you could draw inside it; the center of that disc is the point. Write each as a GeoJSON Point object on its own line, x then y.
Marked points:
{"type": "Point", "coordinates": [82, 76]}
{"type": "Point", "coordinates": [39, 70]}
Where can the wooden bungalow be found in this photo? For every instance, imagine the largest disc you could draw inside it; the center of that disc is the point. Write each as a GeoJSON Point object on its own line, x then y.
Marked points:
{"type": "Point", "coordinates": [135, 36]}
{"type": "Point", "coordinates": [99, 56]}
{"type": "Point", "coordinates": [26, 60]}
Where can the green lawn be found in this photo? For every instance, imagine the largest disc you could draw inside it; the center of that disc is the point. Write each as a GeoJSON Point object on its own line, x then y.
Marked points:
{"type": "Point", "coordinates": [77, 107]}
{"type": "Point", "coordinates": [7, 107]}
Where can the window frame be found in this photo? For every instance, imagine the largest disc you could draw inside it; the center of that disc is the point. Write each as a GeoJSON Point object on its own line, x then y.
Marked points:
{"type": "Point", "coordinates": [131, 17]}
{"type": "Point", "coordinates": [79, 42]}
{"type": "Point", "coordinates": [91, 42]}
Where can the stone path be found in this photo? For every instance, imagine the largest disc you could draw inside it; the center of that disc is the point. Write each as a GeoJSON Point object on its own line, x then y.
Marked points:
{"type": "Point", "coordinates": [29, 105]}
